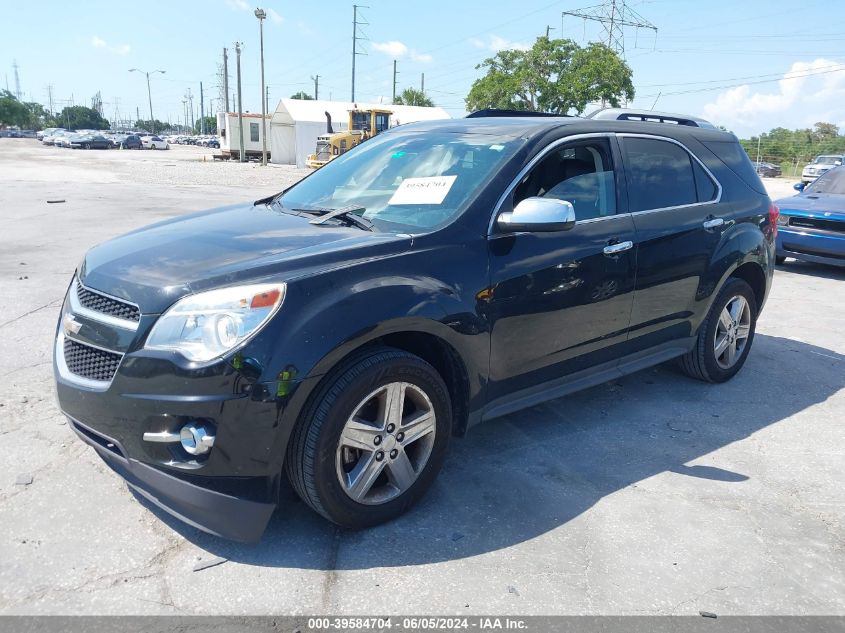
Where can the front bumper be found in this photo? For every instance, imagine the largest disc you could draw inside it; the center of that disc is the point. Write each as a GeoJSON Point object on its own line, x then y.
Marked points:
{"type": "Point", "coordinates": [820, 247]}
{"type": "Point", "coordinates": [119, 397]}
{"type": "Point", "coordinates": [219, 514]}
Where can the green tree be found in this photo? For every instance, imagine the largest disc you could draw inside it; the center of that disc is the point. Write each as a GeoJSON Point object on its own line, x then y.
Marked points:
{"type": "Point", "coordinates": [210, 125]}
{"type": "Point", "coordinates": [151, 126]}
{"type": "Point", "coordinates": [552, 76]}
{"type": "Point", "coordinates": [80, 118]}
{"type": "Point", "coordinates": [413, 97]}
{"type": "Point", "coordinates": [302, 95]}
{"type": "Point", "coordinates": [792, 149]}
{"type": "Point", "coordinates": [12, 111]}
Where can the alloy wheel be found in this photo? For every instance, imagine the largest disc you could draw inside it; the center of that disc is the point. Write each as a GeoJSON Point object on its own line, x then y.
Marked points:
{"type": "Point", "coordinates": [386, 443]}
{"type": "Point", "coordinates": [732, 332]}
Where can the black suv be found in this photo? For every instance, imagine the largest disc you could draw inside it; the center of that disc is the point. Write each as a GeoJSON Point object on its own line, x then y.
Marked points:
{"type": "Point", "coordinates": [438, 275]}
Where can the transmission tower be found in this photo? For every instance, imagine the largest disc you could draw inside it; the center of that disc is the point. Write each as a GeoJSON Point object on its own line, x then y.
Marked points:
{"type": "Point", "coordinates": [17, 80]}
{"type": "Point", "coordinates": [614, 16]}
{"type": "Point", "coordinates": [357, 21]}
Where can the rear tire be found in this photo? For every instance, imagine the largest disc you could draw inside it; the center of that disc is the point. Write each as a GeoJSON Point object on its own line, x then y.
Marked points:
{"type": "Point", "coordinates": [708, 360]}
{"type": "Point", "coordinates": [330, 473]}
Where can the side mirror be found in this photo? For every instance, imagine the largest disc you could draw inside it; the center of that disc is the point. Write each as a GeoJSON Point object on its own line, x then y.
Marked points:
{"type": "Point", "coordinates": [799, 186]}
{"type": "Point", "coordinates": [538, 215]}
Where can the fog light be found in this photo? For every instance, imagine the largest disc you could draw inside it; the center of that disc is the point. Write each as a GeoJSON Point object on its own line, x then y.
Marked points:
{"type": "Point", "coordinates": [196, 440]}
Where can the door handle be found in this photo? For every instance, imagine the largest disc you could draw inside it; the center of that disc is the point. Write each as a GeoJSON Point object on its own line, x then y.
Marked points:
{"type": "Point", "coordinates": [713, 223]}
{"type": "Point", "coordinates": [620, 247]}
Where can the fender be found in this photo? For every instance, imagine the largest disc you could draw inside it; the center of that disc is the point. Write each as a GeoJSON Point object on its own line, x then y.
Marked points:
{"type": "Point", "coordinates": [741, 244]}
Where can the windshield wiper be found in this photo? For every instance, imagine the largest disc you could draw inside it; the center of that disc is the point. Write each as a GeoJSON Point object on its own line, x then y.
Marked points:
{"type": "Point", "coordinates": [343, 214]}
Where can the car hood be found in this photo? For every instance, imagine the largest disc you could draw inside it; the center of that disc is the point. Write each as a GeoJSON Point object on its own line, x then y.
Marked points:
{"type": "Point", "coordinates": [824, 205]}
{"type": "Point", "coordinates": [157, 265]}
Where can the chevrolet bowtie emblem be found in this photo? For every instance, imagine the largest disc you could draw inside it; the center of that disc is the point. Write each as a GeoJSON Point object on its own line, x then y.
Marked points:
{"type": "Point", "coordinates": [71, 325]}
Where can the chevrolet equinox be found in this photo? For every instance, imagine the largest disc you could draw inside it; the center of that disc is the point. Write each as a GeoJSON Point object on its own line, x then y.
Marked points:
{"type": "Point", "coordinates": [436, 276]}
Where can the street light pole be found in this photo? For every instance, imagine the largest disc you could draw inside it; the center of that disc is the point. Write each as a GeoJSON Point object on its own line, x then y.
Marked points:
{"type": "Point", "coordinates": [261, 14]}
{"type": "Point", "coordinates": [149, 92]}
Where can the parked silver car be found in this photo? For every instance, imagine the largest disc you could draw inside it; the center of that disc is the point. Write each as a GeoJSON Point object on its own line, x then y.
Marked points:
{"type": "Point", "coordinates": [820, 165]}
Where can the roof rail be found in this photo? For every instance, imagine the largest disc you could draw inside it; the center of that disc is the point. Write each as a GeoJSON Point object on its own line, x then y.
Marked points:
{"type": "Point", "coordinates": [649, 116]}
{"type": "Point", "coordinates": [496, 112]}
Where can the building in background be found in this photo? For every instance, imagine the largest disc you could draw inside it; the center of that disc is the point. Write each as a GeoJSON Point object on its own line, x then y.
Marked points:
{"type": "Point", "coordinates": [228, 133]}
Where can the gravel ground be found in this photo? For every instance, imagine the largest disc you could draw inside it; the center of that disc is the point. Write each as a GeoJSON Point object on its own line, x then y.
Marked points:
{"type": "Point", "coordinates": [653, 494]}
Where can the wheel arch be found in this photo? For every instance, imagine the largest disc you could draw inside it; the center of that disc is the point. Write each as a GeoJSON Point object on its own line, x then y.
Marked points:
{"type": "Point", "coordinates": [431, 347]}
{"type": "Point", "coordinates": [752, 274]}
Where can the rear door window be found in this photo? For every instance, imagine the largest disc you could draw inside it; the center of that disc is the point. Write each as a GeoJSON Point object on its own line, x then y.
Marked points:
{"type": "Point", "coordinates": [660, 174]}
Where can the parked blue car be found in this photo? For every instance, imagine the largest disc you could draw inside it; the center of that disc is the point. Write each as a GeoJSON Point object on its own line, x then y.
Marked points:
{"type": "Point", "coordinates": [811, 226]}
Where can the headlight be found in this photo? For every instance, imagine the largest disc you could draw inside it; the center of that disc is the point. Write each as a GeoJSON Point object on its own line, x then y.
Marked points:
{"type": "Point", "coordinates": [205, 326]}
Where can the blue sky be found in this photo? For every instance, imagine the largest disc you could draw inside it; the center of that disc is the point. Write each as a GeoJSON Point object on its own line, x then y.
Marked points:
{"type": "Point", "coordinates": [749, 65]}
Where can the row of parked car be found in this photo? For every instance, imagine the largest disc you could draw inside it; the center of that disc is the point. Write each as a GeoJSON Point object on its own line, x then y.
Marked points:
{"type": "Point", "coordinates": [95, 139]}
{"type": "Point", "coordinates": [109, 139]}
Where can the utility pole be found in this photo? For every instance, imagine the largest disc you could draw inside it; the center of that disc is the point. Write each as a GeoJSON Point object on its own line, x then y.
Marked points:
{"type": "Point", "coordinates": [261, 14]}
{"type": "Point", "coordinates": [50, 98]}
{"type": "Point", "coordinates": [202, 110]}
{"type": "Point", "coordinates": [422, 83]}
{"type": "Point", "coordinates": [185, 114]}
{"type": "Point", "coordinates": [226, 76]}
{"type": "Point", "coordinates": [240, 106]}
{"type": "Point", "coordinates": [267, 97]}
{"type": "Point", "coordinates": [149, 93]}
{"type": "Point", "coordinates": [355, 38]}
{"type": "Point", "coordinates": [316, 79]}
{"type": "Point", "coordinates": [394, 81]}
{"type": "Point", "coordinates": [191, 108]}
{"type": "Point", "coordinates": [548, 28]}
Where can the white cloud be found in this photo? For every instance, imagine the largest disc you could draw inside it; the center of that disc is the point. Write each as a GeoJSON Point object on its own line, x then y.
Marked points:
{"type": "Point", "coordinates": [809, 92]}
{"type": "Point", "coordinates": [392, 48]}
{"type": "Point", "coordinates": [241, 5]}
{"type": "Point", "coordinates": [120, 49]}
{"type": "Point", "coordinates": [494, 43]}
{"type": "Point", "coordinates": [274, 16]}
{"type": "Point", "coordinates": [398, 50]}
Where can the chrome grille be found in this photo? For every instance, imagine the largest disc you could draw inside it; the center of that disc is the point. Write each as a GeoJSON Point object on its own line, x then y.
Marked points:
{"type": "Point", "coordinates": [818, 223]}
{"type": "Point", "coordinates": [90, 362]}
{"type": "Point", "coordinates": [97, 302]}
{"type": "Point", "coordinates": [324, 151]}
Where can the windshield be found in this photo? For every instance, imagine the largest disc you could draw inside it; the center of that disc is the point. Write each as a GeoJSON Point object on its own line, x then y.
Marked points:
{"type": "Point", "coordinates": [406, 182]}
{"type": "Point", "coordinates": [829, 160]}
{"type": "Point", "coordinates": [831, 182]}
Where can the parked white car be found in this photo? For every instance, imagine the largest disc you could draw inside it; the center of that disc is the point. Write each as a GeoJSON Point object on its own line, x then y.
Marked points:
{"type": "Point", "coordinates": [49, 138]}
{"type": "Point", "coordinates": [821, 165]}
{"type": "Point", "coordinates": [154, 142]}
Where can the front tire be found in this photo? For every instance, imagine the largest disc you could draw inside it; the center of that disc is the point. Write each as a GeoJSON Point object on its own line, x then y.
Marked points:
{"type": "Point", "coordinates": [373, 439]}
{"type": "Point", "coordinates": [725, 336]}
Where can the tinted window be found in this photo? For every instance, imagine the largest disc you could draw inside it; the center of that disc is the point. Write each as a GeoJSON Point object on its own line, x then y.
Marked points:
{"type": "Point", "coordinates": [704, 185]}
{"type": "Point", "coordinates": [253, 132]}
{"type": "Point", "coordinates": [659, 174]}
{"type": "Point", "coordinates": [580, 173]}
{"type": "Point", "coordinates": [831, 182]}
{"type": "Point", "coordinates": [732, 154]}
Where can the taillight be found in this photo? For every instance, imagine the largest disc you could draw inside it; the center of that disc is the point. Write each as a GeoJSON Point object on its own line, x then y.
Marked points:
{"type": "Point", "coordinates": [774, 213]}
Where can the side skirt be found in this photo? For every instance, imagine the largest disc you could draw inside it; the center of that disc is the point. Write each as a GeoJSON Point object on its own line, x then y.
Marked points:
{"type": "Point", "coordinates": [583, 379]}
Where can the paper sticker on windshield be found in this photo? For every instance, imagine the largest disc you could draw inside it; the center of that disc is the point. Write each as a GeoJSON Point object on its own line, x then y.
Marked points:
{"type": "Point", "coordinates": [430, 190]}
